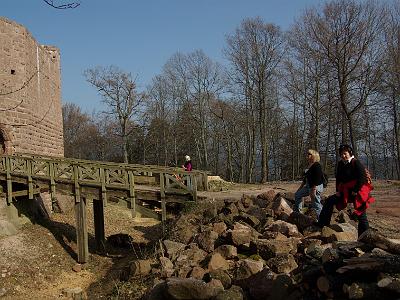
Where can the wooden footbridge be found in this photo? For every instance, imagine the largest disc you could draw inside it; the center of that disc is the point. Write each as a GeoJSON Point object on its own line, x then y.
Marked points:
{"type": "Point", "coordinates": [142, 186]}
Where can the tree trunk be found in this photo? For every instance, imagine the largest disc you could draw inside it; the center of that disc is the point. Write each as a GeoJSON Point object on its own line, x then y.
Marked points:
{"type": "Point", "coordinates": [396, 129]}
{"type": "Point", "coordinates": [263, 141]}
{"type": "Point", "coordinates": [294, 140]}
{"type": "Point", "coordinates": [352, 134]}
{"type": "Point", "coordinates": [316, 141]}
{"type": "Point", "coordinates": [204, 146]}
{"type": "Point", "coordinates": [125, 148]}
{"type": "Point", "coordinates": [229, 160]}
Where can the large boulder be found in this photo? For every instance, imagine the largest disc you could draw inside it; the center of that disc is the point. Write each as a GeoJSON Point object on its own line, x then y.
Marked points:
{"type": "Point", "coordinates": [167, 267]}
{"type": "Point", "coordinates": [219, 227]}
{"type": "Point", "coordinates": [197, 272]}
{"type": "Point", "coordinates": [230, 209]}
{"type": "Point", "coordinates": [330, 254]}
{"type": "Point", "coordinates": [248, 219]}
{"type": "Point", "coordinates": [247, 201]}
{"type": "Point", "coordinates": [329, 235]}
{"type": "Point", "coordinates": [240, 234]}
{"type": "Point", "coordinates": [216, 261]}
{"type": "Point", "coordinates": [186, 227]}
{"type": "Point", "coordinates": [248, 267]}
{"type": "Point", "coordinates": [172, 248]}
{"type": "Point", "coordinates": [271, 248]}
{"type": "Point", "coordinates": [191, 256]}
{"type": "Point", "coordinates": [316, 250]}
{"type": "Point", "coordinates": [227, 251]}
{"type": "Point", "coordinates": [259, 284]}
{"type": "Point", "coordinates": [285, 228]}
{"type": "Point", "coordinates": [206, 240]}
{"type": "Point", "coordinates": [234, 293]}
{"type": "Point", "coordinates": [265, 199]}
{"type": "Point", "coordinates": [282, 263]}
{"type": "Point", "coordinates": [140, 267]}
{"type": "Point", "coordinates": [300, 220]}
{"type": "Point", "coordinates": [220, 275]}
{"type": "Point", "coordinates": [273, 235]}
{"type": "Point", "coordinates": [374, 238]}
{"type": "Point", "coordinates": [190, 288]}
{"type": "Point", "coordinates": [260, 214]}
{"type": "Point", "coordinates": [282, 209]}
{"type": "Point", "coordinates": [281, 287]}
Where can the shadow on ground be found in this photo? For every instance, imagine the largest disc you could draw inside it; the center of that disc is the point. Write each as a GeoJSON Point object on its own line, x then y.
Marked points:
{"type": "Point", "coordinates": [123, 250]}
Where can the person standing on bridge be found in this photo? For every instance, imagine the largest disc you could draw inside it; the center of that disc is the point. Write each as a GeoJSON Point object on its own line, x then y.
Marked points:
{"type": "Point", "coordinates": [187, 166]}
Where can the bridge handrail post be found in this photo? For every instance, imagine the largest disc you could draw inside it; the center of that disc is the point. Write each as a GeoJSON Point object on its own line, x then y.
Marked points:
{"type": "Point", "coordinates": [162, 194]}
{"type": "Point", "coordinates": [76, 184]}
{"type": "Point", "coordinates": [132, 200]}
{"type": "Point", "coordinates": [103, 187]}
{"type": "Point", "coordinates": [52, 183]}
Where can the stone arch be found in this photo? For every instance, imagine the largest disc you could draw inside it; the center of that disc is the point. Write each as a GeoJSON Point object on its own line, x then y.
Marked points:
{"type": "Point", "coordinates": [5, 141]}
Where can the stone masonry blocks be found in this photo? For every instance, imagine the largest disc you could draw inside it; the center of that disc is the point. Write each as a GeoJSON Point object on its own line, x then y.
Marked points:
{"type": "Point", "coordinates": [30, 94]}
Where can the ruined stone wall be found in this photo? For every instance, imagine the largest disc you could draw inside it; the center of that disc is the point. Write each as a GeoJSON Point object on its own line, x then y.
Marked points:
{"type": "Point", "coordinates": [30, 93]}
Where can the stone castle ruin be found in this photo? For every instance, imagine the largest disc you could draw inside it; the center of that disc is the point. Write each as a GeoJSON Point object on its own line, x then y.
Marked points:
{"type": "Point", "coordinates": [30, 94]}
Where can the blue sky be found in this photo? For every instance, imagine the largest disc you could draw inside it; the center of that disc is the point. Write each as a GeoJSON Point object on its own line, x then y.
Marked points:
{"type": "Point", "coordinates": [138, 36]}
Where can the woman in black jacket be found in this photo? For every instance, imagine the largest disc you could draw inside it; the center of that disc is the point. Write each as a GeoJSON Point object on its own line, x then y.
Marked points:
{"type": "Point", "coordinates": [312, 184]}
{"type": "Point", "coordinates": [352, 186]}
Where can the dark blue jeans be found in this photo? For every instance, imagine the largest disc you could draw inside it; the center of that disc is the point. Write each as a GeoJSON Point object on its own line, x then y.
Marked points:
{"type": "Point", "coordinates": [327, 210]}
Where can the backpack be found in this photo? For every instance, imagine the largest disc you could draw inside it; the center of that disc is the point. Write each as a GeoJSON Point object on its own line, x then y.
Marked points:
{"type": "Point", "coordinates": [368, 175]}
{"type": "Point", "coordinates": [367, 172]}
{"type": "Point", "coordinates": [325, 179]}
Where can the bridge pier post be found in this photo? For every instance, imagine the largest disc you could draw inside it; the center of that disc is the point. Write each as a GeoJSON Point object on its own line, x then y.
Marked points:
{"type": "Point", "coordinates": [205, 181]}
{"type": "Point", "coordinates": [194, 187]}
{"type": "Point", "coordinates": [81, 231]}
{"type": "Point", "coordinates": [99, 230]}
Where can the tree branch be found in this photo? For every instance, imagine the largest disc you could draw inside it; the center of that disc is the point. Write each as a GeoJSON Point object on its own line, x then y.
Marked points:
{"type": "Point", "coordinates": [70, 5]}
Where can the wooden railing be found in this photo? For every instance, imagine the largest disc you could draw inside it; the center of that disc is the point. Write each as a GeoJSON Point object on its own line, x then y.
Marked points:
{"type": "Point", "coordinates": [104, 175]}
{"type": "Point", "coordinates": [90, 171]}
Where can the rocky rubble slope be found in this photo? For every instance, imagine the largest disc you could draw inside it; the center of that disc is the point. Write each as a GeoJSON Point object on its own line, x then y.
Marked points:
{"type": "Point", "coordinates": [258, 248]}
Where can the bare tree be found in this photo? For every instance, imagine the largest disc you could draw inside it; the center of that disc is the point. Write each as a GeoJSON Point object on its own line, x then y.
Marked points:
{"type": "Point", "coordinates": [75, 123]}
{"type": "Point", "coordinates": [391, 76]}
{"type": "Point", "coordinates": [90, 136]}
{"type": "Point", "coordinates": [346, 33]}
{"type": "Point", "coordinates": [161, 115]}
{"type": "Point", "coordinates": [119, 92]}
{"type": "Point", "coordinates": [227, 115]}
{"type": "Point", "coordinates": [205, 83]}
{"type": "Point", "coordinates": [309, 90]}
{"type": "Point", "coordinates": [194, 80]}
{"type": "Point", "coordinates": [255, 51]}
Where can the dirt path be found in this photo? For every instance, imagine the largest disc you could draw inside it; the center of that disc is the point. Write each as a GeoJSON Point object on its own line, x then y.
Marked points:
{"type": "Point", "coordinates": [38, 262]}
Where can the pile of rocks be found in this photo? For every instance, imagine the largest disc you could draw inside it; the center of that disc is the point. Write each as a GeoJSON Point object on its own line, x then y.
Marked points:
{"type": "Point", "coordinates": [258, 248]}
